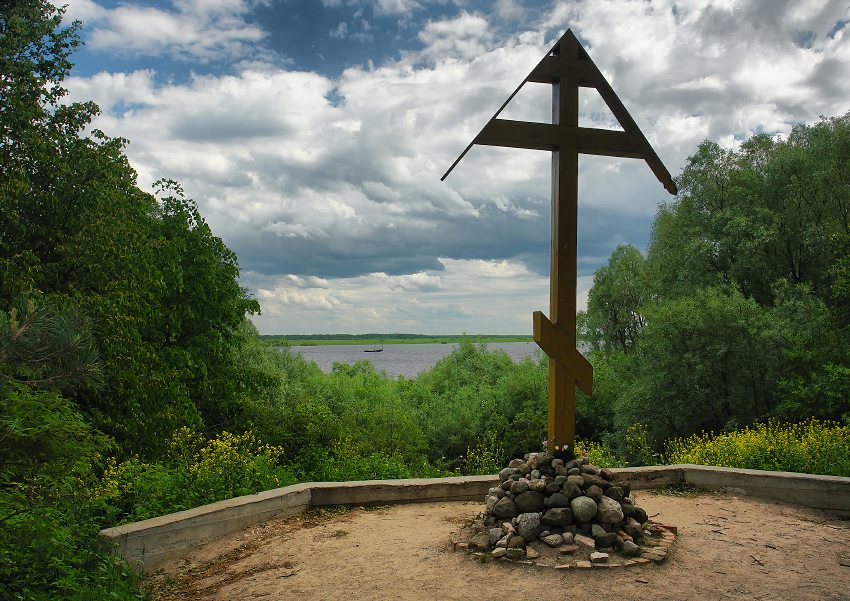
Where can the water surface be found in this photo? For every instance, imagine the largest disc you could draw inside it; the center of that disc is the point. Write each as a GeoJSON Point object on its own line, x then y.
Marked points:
{"type": "Point", "coordinates": [399, 359]}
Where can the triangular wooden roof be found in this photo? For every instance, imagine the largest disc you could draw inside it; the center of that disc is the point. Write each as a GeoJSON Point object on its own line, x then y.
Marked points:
{"type": "Point", "coordinates": [568, 61]}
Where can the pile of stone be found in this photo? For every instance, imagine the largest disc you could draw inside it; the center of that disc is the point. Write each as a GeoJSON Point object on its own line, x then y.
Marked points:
{"type": "Point", "coordinates": [573, 506]}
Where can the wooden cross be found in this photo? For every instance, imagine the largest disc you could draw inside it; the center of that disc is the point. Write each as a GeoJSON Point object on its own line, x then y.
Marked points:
{"type": "Point", "coordinates": [567, 67]}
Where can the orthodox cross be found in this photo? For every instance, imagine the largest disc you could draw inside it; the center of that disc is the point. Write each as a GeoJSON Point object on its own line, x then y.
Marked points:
{"type": "Point", "coordinates": [567, 67]}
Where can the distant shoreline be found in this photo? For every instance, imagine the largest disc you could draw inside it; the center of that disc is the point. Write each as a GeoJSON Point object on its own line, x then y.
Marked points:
{"type": "Point", "coordinates": [382, 339]}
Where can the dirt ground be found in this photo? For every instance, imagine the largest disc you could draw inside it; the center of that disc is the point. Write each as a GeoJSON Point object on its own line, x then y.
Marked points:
{"type": "Point", "coordinates": [727, 548]}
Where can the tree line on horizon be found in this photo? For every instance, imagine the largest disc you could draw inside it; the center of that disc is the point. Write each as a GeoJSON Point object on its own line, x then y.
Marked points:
{"type": "Point", "coordinates": [133, 383]}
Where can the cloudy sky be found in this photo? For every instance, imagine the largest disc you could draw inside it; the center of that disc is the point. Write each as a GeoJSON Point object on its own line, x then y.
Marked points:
{"type": "Point", "coordinates": [313, 134]}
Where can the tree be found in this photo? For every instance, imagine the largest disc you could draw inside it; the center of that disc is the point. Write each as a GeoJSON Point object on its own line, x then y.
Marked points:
{"type": "Point", "coordinates": [159, 289]}
{"type": "Point", "coordinates": [615, 301]}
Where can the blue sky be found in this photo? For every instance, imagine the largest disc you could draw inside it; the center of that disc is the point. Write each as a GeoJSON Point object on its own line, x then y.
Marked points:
{"type": "Point", "coordinates": [313, 133]}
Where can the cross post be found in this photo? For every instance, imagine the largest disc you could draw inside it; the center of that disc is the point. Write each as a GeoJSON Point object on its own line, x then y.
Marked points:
{"type": "Point", "coordinates": [567, 67]}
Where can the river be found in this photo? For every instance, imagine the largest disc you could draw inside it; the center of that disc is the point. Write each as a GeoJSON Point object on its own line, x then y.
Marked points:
{"type": "Point", "coordinates": [399, 359]}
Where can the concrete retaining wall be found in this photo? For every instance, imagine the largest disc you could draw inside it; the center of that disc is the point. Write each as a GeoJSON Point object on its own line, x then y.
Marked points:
{"type": "Point", "coordinates": [152, 543]}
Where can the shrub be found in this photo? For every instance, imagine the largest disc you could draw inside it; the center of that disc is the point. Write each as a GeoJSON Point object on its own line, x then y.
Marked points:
{"type": "Point", "coordinates": [812, 446]}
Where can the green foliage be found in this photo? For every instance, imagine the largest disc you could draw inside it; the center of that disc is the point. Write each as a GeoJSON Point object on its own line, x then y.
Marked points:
{"type": "Point", "coordinates": [812, 446]}
{"type": "Point", "coordinates": [742, 314]}
{"type": "Point", "coordinates": [487, 456]}
{"type": "Point", "coordinates": [49, 519]}
{"type": "Point", "coordinates": [614, 304]}
{"type": "Point", "coordinates": [195, 471]}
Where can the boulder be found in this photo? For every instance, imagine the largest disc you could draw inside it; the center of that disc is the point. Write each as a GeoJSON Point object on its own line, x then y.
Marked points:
{"type": "Point", "coordinates": [519, 486]}
{"type": "Point", "coordinates": [609, 511]}
{"type": "Point", "coordinates": [528, 525]}
{"type": "Point", "coordinates": [505, 508]}
{"type": "Point", "coordinates": [531, 502]}
{"type": "Point", "coordinates": [594, 492]}
{"type": "Point", "coordinates": [571, 490]}
{"type": "Point", "coordinates": [608, 540]}
{"type": "Point", "coordinates": [615, 492]}
{"type": "Point", "coordinates": [557, 516]}
{"type": "Point", "coordinates": [633, 529]}
{"type": "Point", "coordinates": [557, 500]}
{"type": "Point", "coordinates": [590, 479]}
{"type": "Point", "coordinates": [629, 549]}
{"type": "Point", "coordinates": [584, 508]}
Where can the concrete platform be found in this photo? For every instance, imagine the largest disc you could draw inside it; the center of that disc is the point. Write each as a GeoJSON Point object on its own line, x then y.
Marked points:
{"type": "Point", "coordinates": [151, 543]}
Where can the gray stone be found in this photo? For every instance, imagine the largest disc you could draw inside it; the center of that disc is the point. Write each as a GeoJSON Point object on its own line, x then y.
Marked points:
{"type": "Point", "coordinates": [633, 529]}
{"type": "Point", "coordinates": [615, 492]}
{"type": "Point", "coordinates": [559, 480]}
{"type": "Point", "coordinates": [544, 459]}
{"type": "Point", "coordinates": [568, 538]}
{"type": "Point", "coordinates": [594, 492]}
{"type": "Point", "coordinates": [537, 485]}
{"type": "Point", "coordinates": [496, 535]}
{"type": "Point", "coordinates": [609, 511]}
{"type": "Point", "coordinates": [498, 552]}
{"type": "Point", "coordinates": [557, 516]}
{"type": "Point", "coordinates": [528, 525]}
{"type": "Point", "coordinates": [640, 515]}
{"type": "Point", "coordinates": [597, 557]}
{"type": "Point", "coordinates": [577, 480]}
{"type": "Point", "coordinates": [572, 491]}
{"type": "Point", "coordinates": [552, 488]}
{"type": "Point", "coordinates": [584, 508]}
{"type": "Point", "coordinates": [515, 463]}
{"type": "Point", "coordinates": [608, 540]}
{"type": "Point", "coordinates": [627, 488]}
{"type": "Point", "coordinates": [516, 542]}
{"type": "Point", "coordinates": [515, 554]}
{"type": "Point", "coordinates": [505, 508]}
{"type": "Point", "coordinates": [535, 474]}
{"type": "Point", "coordinates": [629, 549]}
{"type": "Point", "coordinates": [525, 469]}
{"type": "Point", "coordinates": [574, 471]}
{"type": "Point", "coordinates": [571, 464]}
{"type": "Point", "coordinates": [531, 502]}
{"type": "Point", "coordinates": [553, 540]}
{"type": "Point", "coordinates": [479, 542]}
{"type": "Point", "coordinates": [595, 530]}
{"type": "Point", "coordinates": [491, 501]}
{"type": "Point", "coordinates": [584, 541]}
{"type": "Point", "coordinates": [628, 508]}
{"type": "Point", "coordinates": [556, 462]}
{"type": "Point", "coordinates": [503, 542]}
{"type": "Point", "coordinates": [590, 479]}
{"type": "Point", "coordinates": [506, 485]}
{"type": "Point", "coordinates": [557, 500]}
{"type": "Point", "coordinates": [519, 487]}
{"type": "Point", "coordinates": [561, 471]}
{"type": "Point", "coordinates": [505, 474]}
{"type": "Point", "coordinates": [508, 528]}
{"type": "Point", "coordinates": [589, 468]}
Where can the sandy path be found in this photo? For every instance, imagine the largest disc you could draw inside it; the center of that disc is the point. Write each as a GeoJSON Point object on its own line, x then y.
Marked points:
{"type": "Point", "coordinates": [728, 548]}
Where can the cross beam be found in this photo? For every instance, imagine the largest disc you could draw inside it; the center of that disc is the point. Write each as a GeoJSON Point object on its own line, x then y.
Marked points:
{"type": "Point", "coordinates": [567, 67]}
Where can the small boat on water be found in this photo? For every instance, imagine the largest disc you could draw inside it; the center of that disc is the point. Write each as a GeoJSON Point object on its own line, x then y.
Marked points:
{"type": "Point", "coordinates": [376, 349]}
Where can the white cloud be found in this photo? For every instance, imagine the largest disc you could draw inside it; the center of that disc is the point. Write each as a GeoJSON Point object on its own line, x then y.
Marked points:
{"type": "Point", "coordinates": [198, 29]}
{"type": "Point", "coordinates": [336, 210]}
